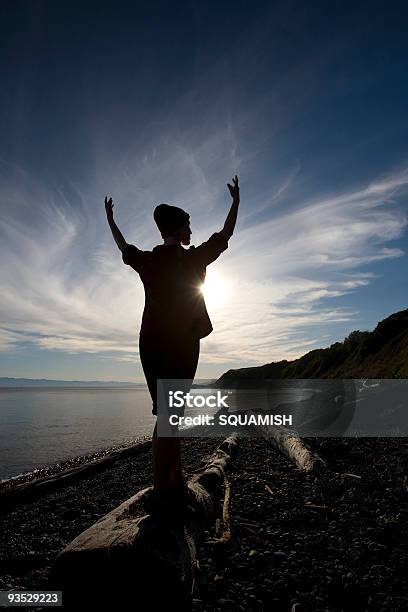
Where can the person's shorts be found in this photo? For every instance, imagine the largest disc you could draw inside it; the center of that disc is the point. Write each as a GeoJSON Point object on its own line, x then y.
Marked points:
{"type": "Point", "coordinates": [168, 358]}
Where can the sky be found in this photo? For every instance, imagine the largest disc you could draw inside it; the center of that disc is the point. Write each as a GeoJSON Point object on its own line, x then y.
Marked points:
{"type": "Point", "coordinates": [166, 102]}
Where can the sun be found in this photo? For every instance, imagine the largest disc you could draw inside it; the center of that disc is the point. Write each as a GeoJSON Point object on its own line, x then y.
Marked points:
{"type": "Point", "coordinates": [214, 289]}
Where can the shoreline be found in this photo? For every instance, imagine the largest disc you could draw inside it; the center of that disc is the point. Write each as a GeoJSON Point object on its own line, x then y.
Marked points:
{"type": "Point", "coordinates": [59, 467]}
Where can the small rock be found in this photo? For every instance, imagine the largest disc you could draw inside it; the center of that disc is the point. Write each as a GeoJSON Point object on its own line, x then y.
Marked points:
{"type": "Point", "coordinates": [280, 555]}
{"type": "Point", "coordinates": [225, 603]}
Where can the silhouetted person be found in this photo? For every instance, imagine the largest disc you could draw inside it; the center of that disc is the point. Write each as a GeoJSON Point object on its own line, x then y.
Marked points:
{"type": "Point", "coordinates": [175, 316]}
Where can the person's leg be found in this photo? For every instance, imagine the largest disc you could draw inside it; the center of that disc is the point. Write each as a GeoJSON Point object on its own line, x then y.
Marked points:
{"type": "Point", "coordinates": [167, 470]}
{"type": "Point", "coordinates": [160, 360]}
{"type": "Point", "coordinates": [176, 470]}
{"type": "Point", "coordinates": [151, 353]}
{"type": "Point", "coordinates": [185, 368]}
{"type": "Point", "coordinates": [165, 457]}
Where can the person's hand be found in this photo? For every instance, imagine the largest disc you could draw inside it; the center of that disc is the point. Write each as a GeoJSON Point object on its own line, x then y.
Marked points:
{"type": "Point", "coordinates": [109, 207]}
{"type": "Point", "coordinates": [234, 188]}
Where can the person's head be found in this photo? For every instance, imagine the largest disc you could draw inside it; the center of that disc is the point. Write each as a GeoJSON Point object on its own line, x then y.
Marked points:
{"type": "Point", "coordinates": [173, 221]}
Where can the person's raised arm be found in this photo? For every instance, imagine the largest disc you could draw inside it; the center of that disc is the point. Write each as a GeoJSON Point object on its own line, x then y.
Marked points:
{"type": "Point", "coordinates": [116, 233]}
{"type": "Point", "coordinates": [231, 219]}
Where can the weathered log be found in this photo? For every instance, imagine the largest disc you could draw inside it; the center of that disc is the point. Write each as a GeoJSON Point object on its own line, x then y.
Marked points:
{"type": "Point", "coordinates": [30, 491]}
{"type": "Point", "coordinates": [291, 445]}
{"type": "Point", "coordinates": [128, 555]}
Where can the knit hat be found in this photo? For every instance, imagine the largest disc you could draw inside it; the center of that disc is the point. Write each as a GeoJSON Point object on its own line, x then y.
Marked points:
{"type": "Point", "coordinates": [169, 219]}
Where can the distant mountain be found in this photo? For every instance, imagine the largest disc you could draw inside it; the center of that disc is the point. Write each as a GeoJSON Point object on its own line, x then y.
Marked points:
{"type": "Point", "coordinates": [382, 353]}
{"type": "Point", "coordinates": [44, 382]}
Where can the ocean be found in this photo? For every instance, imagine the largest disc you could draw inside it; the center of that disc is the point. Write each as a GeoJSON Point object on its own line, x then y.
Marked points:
{"type": "Point", "coordinates": [46, 425]}
{"type": "Point", "coordinates": [42, 426]}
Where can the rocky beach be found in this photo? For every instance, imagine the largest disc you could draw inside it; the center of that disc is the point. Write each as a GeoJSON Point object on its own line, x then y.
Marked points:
{"type": "Point", "coordinates": [298, 542]}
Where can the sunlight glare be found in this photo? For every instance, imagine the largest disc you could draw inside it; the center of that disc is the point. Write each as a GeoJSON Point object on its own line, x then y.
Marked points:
{"type": "Point", "coordinates": [215, 290]}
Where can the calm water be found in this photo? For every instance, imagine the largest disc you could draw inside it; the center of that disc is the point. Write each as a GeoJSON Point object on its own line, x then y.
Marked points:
{"type": "Point", "coordinates": [39, 427]}
{"type": "Point", "coordinates": [42, 426]}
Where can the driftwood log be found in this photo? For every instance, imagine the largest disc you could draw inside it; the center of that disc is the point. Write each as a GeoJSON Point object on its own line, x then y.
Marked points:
{"type": "Point", "coordinates": [29, 491]}
{"type": "Point", "coordinates": [127, 556]}
{"type": "Point", "coordinates": [292, 446]}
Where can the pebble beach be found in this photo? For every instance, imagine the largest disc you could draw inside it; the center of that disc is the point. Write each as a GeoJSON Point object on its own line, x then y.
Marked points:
{"type": "Point", "coordinates": [298, 542]}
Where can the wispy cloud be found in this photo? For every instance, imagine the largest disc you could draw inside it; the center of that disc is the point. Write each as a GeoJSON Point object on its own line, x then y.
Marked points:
{"type": "Point", "coordinates": [290, 268]}
{"type": "Point", "coordinates": [64, 286]}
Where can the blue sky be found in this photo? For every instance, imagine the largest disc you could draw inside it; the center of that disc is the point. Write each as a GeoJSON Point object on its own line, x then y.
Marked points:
{"type": "Point", "coordinates": [165, 102]}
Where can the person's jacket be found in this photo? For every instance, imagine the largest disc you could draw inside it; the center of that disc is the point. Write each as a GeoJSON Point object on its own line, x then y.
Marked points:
{"type": "Point", "coordinates": [172, 277]}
